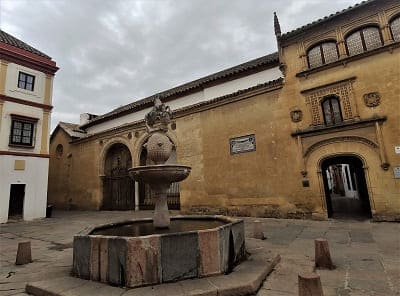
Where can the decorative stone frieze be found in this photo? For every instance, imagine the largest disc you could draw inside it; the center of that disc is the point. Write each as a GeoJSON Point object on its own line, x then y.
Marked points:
{"type": "Point", "coordinates": [342, 89]}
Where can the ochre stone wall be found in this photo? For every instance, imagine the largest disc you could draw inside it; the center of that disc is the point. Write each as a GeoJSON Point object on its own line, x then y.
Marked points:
{"type": "Point", "coordinates": [59, 172]}
{"type": "Point", "coordinates": [74, 181]}
{"type": "Point", "coordinates": [264, 182]}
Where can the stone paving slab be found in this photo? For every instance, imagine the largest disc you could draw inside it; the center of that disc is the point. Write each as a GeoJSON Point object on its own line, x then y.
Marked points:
{"type": "Point", "coordinates": [244, 280]}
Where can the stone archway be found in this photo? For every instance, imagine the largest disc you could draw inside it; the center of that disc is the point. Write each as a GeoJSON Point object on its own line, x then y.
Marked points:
{"type": "Point", "coordinates": [118, 187]}
{"type": "Point", "coordinates": [345, 187]}
{"type": "Point", "coordinates": [316, 157]}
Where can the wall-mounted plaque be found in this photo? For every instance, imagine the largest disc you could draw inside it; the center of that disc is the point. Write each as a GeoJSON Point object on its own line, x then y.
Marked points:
{"type": "Point", "coordinates": [243, 144]}
{"type": "Point", "coordinates": [396, 172]}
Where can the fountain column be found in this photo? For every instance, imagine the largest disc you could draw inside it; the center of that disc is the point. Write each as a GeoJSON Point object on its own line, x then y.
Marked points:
{"type": "Point", "coordinates": [136, 196]}
{"type": "Point", "coordinates": [160, 175]}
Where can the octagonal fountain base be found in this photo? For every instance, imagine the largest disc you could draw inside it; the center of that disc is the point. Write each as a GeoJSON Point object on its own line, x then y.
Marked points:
{"type": "Point", "coordinates": [133, 253]}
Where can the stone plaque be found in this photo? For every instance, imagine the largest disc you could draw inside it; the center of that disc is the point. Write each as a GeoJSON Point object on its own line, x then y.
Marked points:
{"type": "Point", "coordinates": [396, 172]}
{"type": "Point", "coordinates": [243, 144]}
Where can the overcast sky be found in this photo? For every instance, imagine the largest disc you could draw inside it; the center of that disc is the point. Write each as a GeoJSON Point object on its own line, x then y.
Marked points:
{"type": "Point", "coordinates": [113, 52]}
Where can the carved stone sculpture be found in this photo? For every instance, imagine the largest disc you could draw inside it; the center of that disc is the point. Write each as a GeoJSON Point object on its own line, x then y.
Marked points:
{"type": "Point", "coordinates": [296, 115]}
{"type": "Point", "coordinates": [372, 99]}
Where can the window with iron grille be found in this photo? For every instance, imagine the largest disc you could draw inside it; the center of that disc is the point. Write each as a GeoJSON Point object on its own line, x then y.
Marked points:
{"type": "Point", "coordinates": [365, 39]}
{"type": "Point", "coordinates": [26, 81]}
{"type": "Point", "coordinates": [22, 132]}
{"type": "Point", "coordinates": [321, 54]}
{"type": "Point", "coordinates": [395, 28]}
{"type": "Point", "coordinates": [331, 110]}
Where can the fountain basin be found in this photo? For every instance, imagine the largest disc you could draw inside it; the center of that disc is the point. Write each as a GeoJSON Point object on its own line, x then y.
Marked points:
{"type": "Point", "coordinates": [169, 255]}
{"type": "Point", "coordinates": [160, 174]}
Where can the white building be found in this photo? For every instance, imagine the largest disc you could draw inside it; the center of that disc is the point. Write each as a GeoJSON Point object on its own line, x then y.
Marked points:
{"type": "Point", "coordinates": [26, 78]}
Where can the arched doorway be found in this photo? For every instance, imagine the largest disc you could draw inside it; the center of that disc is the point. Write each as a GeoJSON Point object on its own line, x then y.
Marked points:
{"type": "Point", "coordinates": [345, 188]}
{"type": "Point", "coordinates": [118, 187]}
{"type": "Point", "coordinates": [146, 200]}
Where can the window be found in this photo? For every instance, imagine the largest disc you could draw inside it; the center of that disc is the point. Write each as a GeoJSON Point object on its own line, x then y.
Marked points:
{"type": "Point", "coordinates": [323, 53]}
{"type": "Point", "coordinates": [22, 131]}
{"type": "Point", "coordinates": [26, 81]}
{"type": "Point", "coordinates": [367, 38]}
{"type": "Point", "coordinates": [59, 151]}
{"type": "Point", "coordinates": [395, 28]}
{"type": "Point", "coordinates": [331, 111]}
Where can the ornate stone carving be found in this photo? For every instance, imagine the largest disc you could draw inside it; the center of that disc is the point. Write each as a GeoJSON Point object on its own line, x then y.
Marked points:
{"type": "Point", "coordinates": [372, 99]}
{"type": "Point", "coordinates": [343, 90]}
{"type": "Point", "coordinates": [296, 115]}
{"type": "Point", "coordinates": [160, 113]}
{"type": "Point", "coordinates": [159, 147]}
{"type": "Point", "coordinates": [362, 140]}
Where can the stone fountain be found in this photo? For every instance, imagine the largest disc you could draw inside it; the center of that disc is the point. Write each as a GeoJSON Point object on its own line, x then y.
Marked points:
{"type": "Point", "coordinates": [142, 252]}
{"type": "Point", "coordinates": [159, 176]}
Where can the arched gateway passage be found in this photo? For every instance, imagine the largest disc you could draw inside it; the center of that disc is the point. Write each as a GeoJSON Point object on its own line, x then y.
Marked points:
{"type": "Point", "coordinates": [345, 187]}
{"type": "Point", "coordinates": [119, 188]}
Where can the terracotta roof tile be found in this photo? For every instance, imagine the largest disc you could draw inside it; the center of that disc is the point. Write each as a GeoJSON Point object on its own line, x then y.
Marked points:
{"type": "Point", "coordinates": [11, 40]}
{"type": "Point", "coordinates": [72, 129]}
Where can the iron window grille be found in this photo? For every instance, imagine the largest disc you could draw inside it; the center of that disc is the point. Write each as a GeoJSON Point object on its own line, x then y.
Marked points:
{"type": "Point", "coordinates": [26, 81]}
{"type": "Point", "coordinates": [323, 53]}
{"type": "Point", "coordinates": [365, 39]}
{"type": "Point", "coordinates": [22, 132]}
{"type": "Point", "coordinates": [395, 28]}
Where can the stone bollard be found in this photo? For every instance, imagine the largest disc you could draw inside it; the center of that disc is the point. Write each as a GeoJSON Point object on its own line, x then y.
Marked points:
{"type": "Point", "coordinates": [257, 230]}
{"type": "Point", "coordinates": [322, 254]}
{"type": "Point", "coordinates": [24, 255]}
{"type": "Point", "coordinates": [310, 285]}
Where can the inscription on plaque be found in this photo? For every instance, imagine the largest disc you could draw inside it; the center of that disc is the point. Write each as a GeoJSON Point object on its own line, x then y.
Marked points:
{"type": "Point", "coordinates": [396, 172]}
{"type": "Point", "coordinates": [243, 144]}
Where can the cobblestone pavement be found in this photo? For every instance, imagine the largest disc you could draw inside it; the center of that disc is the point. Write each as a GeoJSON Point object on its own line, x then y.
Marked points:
{"type": "Point", "coordinates": [367, 255]}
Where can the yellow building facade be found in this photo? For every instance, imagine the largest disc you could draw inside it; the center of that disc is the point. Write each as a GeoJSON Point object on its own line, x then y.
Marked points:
{"type": "Point", "coordinates": [311, 131]}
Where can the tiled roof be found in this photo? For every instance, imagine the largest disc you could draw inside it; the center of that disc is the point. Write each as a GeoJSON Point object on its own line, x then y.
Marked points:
{"type": "Point", "coordinates": [11, 40]}
{"type": "Point", "coordinates": [198, 106]}
{"type": "Point", "coordinates": [270, 84]}
{"type": "Point", "coordinates": [266, 60]}
{"type": "Point", "coordinates": [72, 129]}
{"type": "Point", "coordinates": [324, 19]}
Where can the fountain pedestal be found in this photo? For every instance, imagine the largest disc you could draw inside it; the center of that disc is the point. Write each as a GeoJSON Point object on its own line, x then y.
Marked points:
{"type": "Point", "coordinates": [160, 177]}
{"type": "Point", "coordinates": [161, 217]}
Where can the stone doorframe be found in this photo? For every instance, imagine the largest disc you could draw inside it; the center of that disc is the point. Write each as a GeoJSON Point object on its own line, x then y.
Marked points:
{"type": "Point", "coordinates": [358, 150]}
{"type": "Point", "coordinates": [103, 155]}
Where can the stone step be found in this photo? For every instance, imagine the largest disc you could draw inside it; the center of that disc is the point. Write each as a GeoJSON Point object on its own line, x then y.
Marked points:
{"type": "Point", "coordinates": [244, 280]}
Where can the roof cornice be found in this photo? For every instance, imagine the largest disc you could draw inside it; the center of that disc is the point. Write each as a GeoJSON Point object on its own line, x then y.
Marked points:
{"type": "Point", "coordinates": [199, 107]}
{"type": "Point", "coordinates": [25, 58]}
